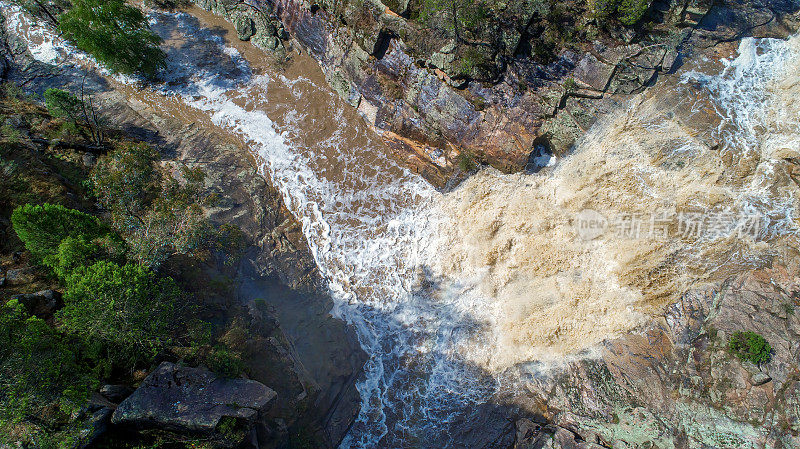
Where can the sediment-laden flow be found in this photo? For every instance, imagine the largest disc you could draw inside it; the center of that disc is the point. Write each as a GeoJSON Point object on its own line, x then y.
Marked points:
{"type": "Point", "coordinates": [694, 179]}
{"type": "Point", "coordinates": [447, 291]}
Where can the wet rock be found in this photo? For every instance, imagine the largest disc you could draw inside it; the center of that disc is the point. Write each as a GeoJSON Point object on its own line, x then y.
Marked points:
{"type": "Point", "coordinates": [759, 378]}
{"type": "Point", "coordinates": [685, 318]}
{"type": "Point", "coordinates": [20, 276]}
{"type": "Point", "coordinates": [116, 393]}
{"type": "Point", "coordinates": [675, 381]}
{"type": "Point", "coordinates": [42, 303]}
{"type": "Point", "coordinates": [624, 63]}
{"type": "Point", "coordinates": [245, 27]}
{"type": "Point", "coordinates": [191, 399]}
{"type": "Point", "coordinates": [309, 358]}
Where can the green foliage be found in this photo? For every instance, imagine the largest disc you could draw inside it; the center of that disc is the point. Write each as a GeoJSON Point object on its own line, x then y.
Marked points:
{"type": "Point", "coordinates": [126, 181]}
{"type": "Point", "coordinates": [225, 362]}
{"type": "Point", "coordinates": [455, 16]}
{"type": "Point", "coordinates": [48, 10]}
{"type": "Point", "coordinates": [200, 333]}
{"type": "Point", "coordinates": [115, 34]}
{"type": "Point", "coordinates": [466, 161]}
{"type": "Point", "coordinates": [128, 308]}
{"type": "Point", "coordinates": [62, 104]}
{"type": "Point", "coordinates": [750, 346]}
{"type": "Point", "coordinates": [10, 133]}
{"type": "Point", "coordinates": [74, 253]}
{"type": "Point", "coordinates": [471, 60]}
{"type": "Point", "coordinates": [42, 227]}
{"type": "Point", "coordinates": [39, 369]}
{"type": "Point", "coordinates": [570, 85]}
{"type": "Point", "coordinates": [158, 215]}
{"type": "Point", "coordinates": [627, 12]}
{"type": "Point", "coordinates": [227, 427]}
{"type": "Point", "coordinates": [229, 242]}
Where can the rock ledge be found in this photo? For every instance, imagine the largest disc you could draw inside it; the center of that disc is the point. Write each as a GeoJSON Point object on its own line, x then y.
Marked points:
{"type": "Point", "coordinates": [191, 399]}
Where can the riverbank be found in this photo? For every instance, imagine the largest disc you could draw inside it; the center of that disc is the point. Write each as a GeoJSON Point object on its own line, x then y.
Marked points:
{"type": "Point", "coordinates": [634, 390]}
{"type": "Point", "coordinates": [274, 290]}
{"type": "Point", "coordinates": [365, 226]}
{"type": "Point", "coordinates": [444, 103]}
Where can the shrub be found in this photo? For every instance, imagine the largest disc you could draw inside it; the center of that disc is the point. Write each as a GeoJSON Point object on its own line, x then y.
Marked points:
{"type": "Point", "coordinates": [627, 12]}
{"type": "Point", "coordinates": [466, 161]}
{"type": "Point", "coordinates": [225, 362]}
{"type": "Point", "coordinates": [114, 33]}
{"type": "Point", "coordinates": [750, 346]}
{"type": "Point", "coordinates": [72, 253]}
{"type": "Point", "coordinates": [62, 104]}
{"type": "Point", "coordinates": [570, 85]}
{"type": "Point", "coordinates": [126, 181]}
{"type": "Point", "coordinates": [158, 215]}
{"type": "Point", "coordinates": [127, 308]}
{"type": "Point", "coordinates": [39, 368]}
{"type": "Point", "coordinates": [42, 227]}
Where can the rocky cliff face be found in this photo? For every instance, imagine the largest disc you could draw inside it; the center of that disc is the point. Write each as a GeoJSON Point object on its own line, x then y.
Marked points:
{"type": "Point", "coordinates": [494, 94]}
{"type": "Point", "coordinates": [494, 83]}
{"type": "Point", "coordinates": [675, 384]}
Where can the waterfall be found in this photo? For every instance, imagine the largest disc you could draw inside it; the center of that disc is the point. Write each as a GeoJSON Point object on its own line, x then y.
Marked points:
{"type": "Point", "coordinates": [449, 290]}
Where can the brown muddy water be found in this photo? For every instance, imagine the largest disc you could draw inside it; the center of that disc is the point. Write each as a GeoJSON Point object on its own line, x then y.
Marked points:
{"type": "Point", "coordinates": [693, 181]}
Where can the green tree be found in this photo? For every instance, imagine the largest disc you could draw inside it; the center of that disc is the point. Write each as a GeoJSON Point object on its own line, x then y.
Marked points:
{"type": "Point", "coordinates": [39, 368]}
{"type": "Point", "coordinates": [48, 10]}
{"type": "Point", "coordinates": [750, 346]}
{"type": "Point", "coordinates": [114, 33]}
{"type": "Point", "coordinates": [158, 215]}
{"type": "Point", "coordinates": [42, 227]}
{"type": "Point", "coordinates": [127, 308]}
{"type": "Point", "coordinates": [62, 104]}
{"type": "Point", "coordinates": [126, 182]}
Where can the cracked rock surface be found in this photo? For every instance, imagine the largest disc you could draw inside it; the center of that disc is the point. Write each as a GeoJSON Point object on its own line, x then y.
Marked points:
{"type": "Point", "coordinates": [191, 399]}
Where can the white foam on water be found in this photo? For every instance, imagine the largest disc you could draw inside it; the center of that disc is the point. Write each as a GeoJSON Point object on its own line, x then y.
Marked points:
{"type": "Point", "coordinates": [549, 294]}
{"type": "Point", "coordinates": [368, 223]}
{"type": "Point", "coordinates": [447, 291]}
{"type": "Point", "coordinates": [44, 45]}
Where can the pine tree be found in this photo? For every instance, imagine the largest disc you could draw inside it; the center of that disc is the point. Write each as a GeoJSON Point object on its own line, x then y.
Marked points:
{"type": "Point", "coordinates": [114, 33]}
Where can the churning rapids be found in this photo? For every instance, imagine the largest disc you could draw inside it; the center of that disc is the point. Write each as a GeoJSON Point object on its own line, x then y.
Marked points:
{"type": "Point", "coordinates": [449, 291]}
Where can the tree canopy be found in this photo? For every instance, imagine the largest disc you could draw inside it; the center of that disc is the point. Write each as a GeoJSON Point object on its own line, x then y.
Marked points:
{"type": "Point", "coordinates": [38, 366]}
{"type": "Point", "coordinates": [43, 227]}
{"type": "Point", "coordinates": [127, 307]}
{"type": "Point", "coordinates": [158, 214]}
{"type": "Point", "coordinates": [114, 33]}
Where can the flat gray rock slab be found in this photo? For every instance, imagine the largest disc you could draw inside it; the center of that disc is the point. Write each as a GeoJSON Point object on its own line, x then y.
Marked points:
{"type": "Point", "coordinates": [180, 398]}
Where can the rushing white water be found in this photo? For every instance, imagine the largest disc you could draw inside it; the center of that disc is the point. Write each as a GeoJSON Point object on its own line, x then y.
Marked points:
{"type": "Point", "coordinates": [448, 291]}
{"type": "Point", "coordinates": [709, 159]}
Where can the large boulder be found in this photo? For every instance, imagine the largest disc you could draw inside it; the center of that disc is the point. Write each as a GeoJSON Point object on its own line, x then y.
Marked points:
{"type": "Point", "coordinates": [42, 303]}
{"type": "Point", "coordinates": [184, 399]}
